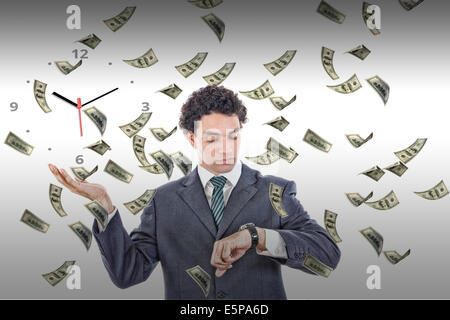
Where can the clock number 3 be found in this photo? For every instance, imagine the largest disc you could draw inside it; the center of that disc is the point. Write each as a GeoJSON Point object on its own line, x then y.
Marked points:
{"type": "Point", "coordinates": [145, 106]}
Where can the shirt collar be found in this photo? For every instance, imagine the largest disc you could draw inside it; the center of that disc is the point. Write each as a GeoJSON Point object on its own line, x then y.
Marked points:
{"type": "Point", "coordinates": [232, 175]}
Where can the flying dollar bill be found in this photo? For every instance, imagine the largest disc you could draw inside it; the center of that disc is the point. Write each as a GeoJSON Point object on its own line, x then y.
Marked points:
{"type": "Point", "coordinates": [65, 67]}
{"type": "Point", "coordinates": [118, 21]}
{"type": "Point", "coordinates": [279, 123]}
{"type": "Point", "coordinates": [118, 172]}
{"type": "Point", "coordinates": [349, 86]}
{"type": "Point", "coordinates": [182, 162]}
{"type": "Point", "coordinates": [188, 68]}
{"type": "Point", "coordinates": [360, 52]}
{"type": "Point", "coordinates": [374, 238]}
{"type": "Point", "coordinates": [220, 75]}
{"type": "Point", "coordinates": [327, 62]}
{"type": "Point", "coordinates": [205, 4]}
{"type": "Point", "coordinates": [216, 25]}
{"type": "Point", "coordinates": [287, 154]}
{"type": "Point", "coordinates": [394, 257]}
{"type": "Point", "coordinates": [34, 221]}
{"type": "Point", "coordinates": [55, 199]}
{"type": "Point", "coordinates": [380, 86]}
{"type": "Point", "coordinates": [154, 168]}
{"type": "Point", "coordinates": [56, 276]}
{"type": "Point", "coordinates": [266, 158]}
{"type": "Point", "coordinates": [164, 161]}
{"type": "Point", "coordinates": [368, 14]}
{"type": "Point", "coordinates": [331, 13]}
{"type": "Point", "coordinates": [356, 140]}
{"type": "Point", "coordinates": [356, 199]}
{"type": "Point", "coordinates": [387, 202]}
{"type": "Point", "coordinates": [161, 134]}
{"type": "Point", "coordinates": [135, 206]}
{"type": "Point", "coordinates": [18, 144]}
{"type": "Point", "coordinates": [409, 153]}
{"type": "Point", "coordinates": [201, 278]}
{"type": "Point", "coordinates": [91, 40]}
{"type": "Point", "coordinates": [263, 91]}
{"type": "Point", "coordinates": [409, 4]}
{"type": "Point", "coordinates": [97, 117]}
{"type": "Point", "coordinates": [100, 147]}
{"type": "Point", "coordinates": [276, 199]}
{"type": "Point", "coordinates": [280, 103]}
{"type": "Point", "coordinates": [98, 211]}
{"type": "Point", "coordinates": [397, 168]}
{"type": "Point", "coordinates": [330, 225]}
{"type": "Point", "coordinates": [130, 129]}
{"type": "Point", "coordinates": [138, 148]}
{"type": "Point", "coordinates": [278, 65]}
{"type": "Point", "coordinates": [144, 61]}
{"type": "Point", "coordinates": [316, 141]}
{"type": "Point", "coordinates": [39, 94]}
{"type": "Point", "coordinates": [171, 90]}
{"type": "Point", "coordinates": [81, 173]}
{"type": "Point", "coordinates": [83, 232]}
{"type": "Point", "coordinates": [316, 266]}
{"type": "Point", "coordinates": [375, 173]}
{"type": "Point", "coordinates": [437, 192]}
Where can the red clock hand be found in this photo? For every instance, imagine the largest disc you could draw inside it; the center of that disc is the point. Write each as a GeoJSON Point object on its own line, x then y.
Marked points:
{"type": "Point", "coordinates": [79, 113]}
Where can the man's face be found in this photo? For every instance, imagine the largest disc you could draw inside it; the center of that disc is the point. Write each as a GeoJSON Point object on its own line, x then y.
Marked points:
{"type": "Point", "coordinates": [217, 140]}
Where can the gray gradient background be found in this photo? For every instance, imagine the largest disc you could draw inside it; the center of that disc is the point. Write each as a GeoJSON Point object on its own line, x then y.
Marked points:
{"type": "Point", "coordinates": [410, 54]}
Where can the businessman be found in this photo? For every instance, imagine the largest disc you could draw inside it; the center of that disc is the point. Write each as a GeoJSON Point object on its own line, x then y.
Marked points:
{"type": "Point", "coordinates": [217, 220]}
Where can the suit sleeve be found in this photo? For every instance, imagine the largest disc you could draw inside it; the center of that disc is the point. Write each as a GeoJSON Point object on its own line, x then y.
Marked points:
{"type": "Point", "coordinates": [129, 258]}
{"type": "Point", "coordinates": [303, 235]}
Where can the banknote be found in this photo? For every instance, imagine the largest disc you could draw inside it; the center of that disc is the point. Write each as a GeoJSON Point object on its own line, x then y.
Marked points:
{"type": "Point", "coordinates": [135, 206]}
{"type": "Point", "coordinates": [287, 154]}
{"type": "Point", "coordinates": [91, 40]}
{"type": "Point", "coordinates": [83, 232]}
{"type": "Point", "coordinates": [154, 168]}
{"type": "Point", "coordinates": [144, 61]}
{"type": "Point", "coordinates": [280, 103]}
{"type": "Point", "coordinates": [263, 91]}
{"type": "Point", "coordinates": [188, 68]}
{"type": "Point", "coordinates": [82, 174]}
{"type": "Point", "coordinates": [164, 161]}
{"type": "Point", "coordinates": [65, 67]}
{"type": "Point", "coordinates": [118, 21]}
{"type": "Point", "coordinates": [216, 25]}
{"type": "Point", "coordinates": [130, 129]}
{"type": "Point", "coordinates": [205, 4]}
{"type": "Point", "coordinates": [56, 276]}
{"type": "Point", "coordinates": [327, 62]}
{"type": "Point", "coordinates": [316, 141]}
{"type": "Point", "coordinates": [220, 75]}
{"type": "Point", "coordinates": [437, 192]}
{"type": "Point", "coordinates": [380, 86]}
{"type": "Point", "coordinates": [397, 168]}
{"type": "Point", "coordinates": [356, 199]}
{"type": "Point", "coordinates": [34, 221]}
{"type": "Point", "coordinates": [182, 162]}
{"type": "Point", "coordinates": [316, 266]}
{"type": "Point", "coordinates": [368, 14]}
{"type": "Point", "coordinates": [330, 224]}
{"type": "Point", "coordinates": [138, 148]}
{"type": "Point", "coordinates": [374, 238]}
{"type": "Point", "coordinates": [356, 140]}
{"type": "Point", "coordinates": [55, 199]}
{"type": "Point", "coordinates": [161, 134]}
{"type": "Point", "coordinates": [18, 144]}
{"type": "Point", "coordinates": [171, 90]}
{"type": "Point", "coordinates": [387, 202]}
{"type": "Point", "coordinates": [410, 152]}
{"type": "Point", "coordinates": [201, 278]}
{"type": "Point", "coordinates": [97, 117]}
{"type": "Point", "coordinates": [100, 147]}
{"type": "Point", "coordinates": [118, 172]}
{"type": "Point", "coordinates": [349, 86]}
{"type": "Point", "coordinates": [99, 212]}
{"type": "Point", "coordinates": [409, 4]}
{"type": "Point", "coordinates": [375, 173]}
{"type": "Point", "coordinates": [331, 13]}
{"type": "Point", "coordinates": [360, 52]}
{"type": "Point", "coordinates": [39, 94]}
{"type": "Point", "coordinates": [278, 65]}
{"type": "Point", "coordinates": [276, 199]}
{"type": "Point", "coordinates": [394, 257]}
{"type": "Point", "coordinates": [279, 123]}
{"type": "Point", "coordinates": [266, 158]}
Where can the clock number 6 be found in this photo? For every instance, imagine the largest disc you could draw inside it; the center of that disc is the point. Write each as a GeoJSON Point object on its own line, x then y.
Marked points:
{"type": "Point", "coordinates": [79, 159]}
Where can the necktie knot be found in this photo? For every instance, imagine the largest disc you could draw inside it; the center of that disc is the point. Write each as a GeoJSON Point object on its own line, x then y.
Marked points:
{"type": "Point", "coordinates": [218, 182]}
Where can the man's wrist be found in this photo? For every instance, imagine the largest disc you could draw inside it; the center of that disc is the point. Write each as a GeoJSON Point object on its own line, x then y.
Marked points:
{"type": "Point", "coordinates": [261, 239]}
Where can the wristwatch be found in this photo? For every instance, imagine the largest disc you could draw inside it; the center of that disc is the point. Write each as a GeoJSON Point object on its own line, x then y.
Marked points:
{"type": "Point", "coordinates": [253, 233]}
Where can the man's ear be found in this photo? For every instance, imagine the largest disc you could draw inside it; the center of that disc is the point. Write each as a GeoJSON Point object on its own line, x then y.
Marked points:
{"type": "Point", "coordinates": [191, 138]}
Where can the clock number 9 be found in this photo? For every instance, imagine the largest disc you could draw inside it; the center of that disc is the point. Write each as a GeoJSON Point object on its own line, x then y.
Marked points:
{"type": "Point", "coordinates": [79, 159]}
{"type": "Point", "coordinates": [83, 51]}
{"type": "Point", "coordinates": [145, 106]}
{"type": "Point", "coordinates": [13, 106]}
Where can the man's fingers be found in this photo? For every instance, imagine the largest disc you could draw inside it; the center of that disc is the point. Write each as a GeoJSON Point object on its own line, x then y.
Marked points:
{"type": "Point", "coordinates": [226, 253]}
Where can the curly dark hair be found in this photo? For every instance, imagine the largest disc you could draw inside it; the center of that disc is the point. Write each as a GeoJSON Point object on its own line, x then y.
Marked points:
{"type": "Point", "coordinates": [206, 100]}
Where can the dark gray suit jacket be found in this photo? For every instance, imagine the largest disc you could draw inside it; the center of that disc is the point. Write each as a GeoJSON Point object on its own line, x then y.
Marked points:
{"type": "Point", "coordinates": [178, 230]}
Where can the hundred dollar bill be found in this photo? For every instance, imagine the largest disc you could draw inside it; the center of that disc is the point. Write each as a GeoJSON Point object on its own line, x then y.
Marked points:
{"type": "Point", "coordinates": [409, 153]}
{"type": "Point", "coordinates": [266, 158]}
{"type": "Point", "coordinates": [97, 117]}
{"type": "Point", "coordinates": [118, 172]}
{"type": "Point", "coordinates": [100, 147]}
{"type": "Point", "coordinates": [316, 141]}
{"type": "Point", "coordinates": [164, 161]}
{"type": "Point", "coordinates": [65, 67]}
{"type": "Point", "coordinates": [387, 202]}
{"type": "Point", "coordinates": [349, 86]}
{"type": "Point", "coordinates": [171, 90]}
{"type": "Point", "coordinates": [154, 168]}
{"type": "Point", "coordinates": [55, 277]}
{"type": "Point", "coordinates": [81, 173]}
{"type": "Point", "coordinates": [91, 40]}
{"type": "Point", "coordinates": [356, 140]}
{"type": "Point", "coordinates": [276, 199]}
{"type": "Point", "coordinates": [188, 68]}
{"type": "Point", "coordinates": [161, 134]}
{"type": "Point", "coordinates": [394, 257]}
{"type": "Point", "coordinates": [144, 61]}
{"type": "Point", "coordinates": [330, 224]}
{"type": "Point", "coordinates": [375, 173]}
{"type": "Point", "coordinates": [138, 148]}
{"type": "Point", "coordinates": [205, 4]}
{"type": "Point", "coordinates": [397, 168]}
{"type": "Point", "coordinates": [380, 86]}
{"type": "Point", "coordinates": [331, 13]}
{"type": "Point", "coordinates": [287, 154]}
{"type": "Point", "coordinates": [316, 266]}
{"type": "Point", "coordinates": [130, 129]}
{"type": "Point", "coordinates": [279, 123]}
{"type": "Point", "coordinates": [34, 222]}
{"type": "Point", "coordinates": [201, 278]}
{"type": "Point", "coordinates": [263, 91]}
{"type": "Point", "coordinates": [39, 94]}
{"type": "Point", "coordinates": [55, 199]}
{"type": "Point", "coordinates": [98, 212]}
{"type": "Point", "coordinates": [220, 75]}
{"type": "Point", "coordinates": [83, 232]}
{"type": "Point", "coordinates": [216, 24]}
{"type": "Point", "coordinates": [182, 162]}
{"type": "Point", "coordinates": [374, 238]}
{"type": "Point", "coordinates": [278, 65]}
{"type": "Point", "coordinates": [409, 4]}
{"type": "Point", "coordinates": [367, 14]}
{"type": "Point", "coordinates": [437, 192]}
{"type": "Point", "coordinates": [18, 144]}
{"type": "Point", "coordinates": [280, 103]}
{"type": "Point", "coordinates": [360, 51]}
{"type": "Point", "coordinates": [135, 206]}
{"type": "Point", "coordinates": [356, 199]}
{"type": "Point", "coordinates": [118, 21]}
{"type": "Point", "coordinates": [327, 62]}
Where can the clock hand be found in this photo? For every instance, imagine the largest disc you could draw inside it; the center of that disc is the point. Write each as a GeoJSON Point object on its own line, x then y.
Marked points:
{"type": "Point", "coordinates": [101, 96]}
{"type": "Point", "coordinates": [79, 112]}
{"type": "Point", "coordinates": [64, 98]}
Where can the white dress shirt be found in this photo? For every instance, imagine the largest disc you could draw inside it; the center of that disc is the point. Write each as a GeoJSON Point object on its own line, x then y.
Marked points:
{"type": "Point", "coordinates": [275, 244]}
